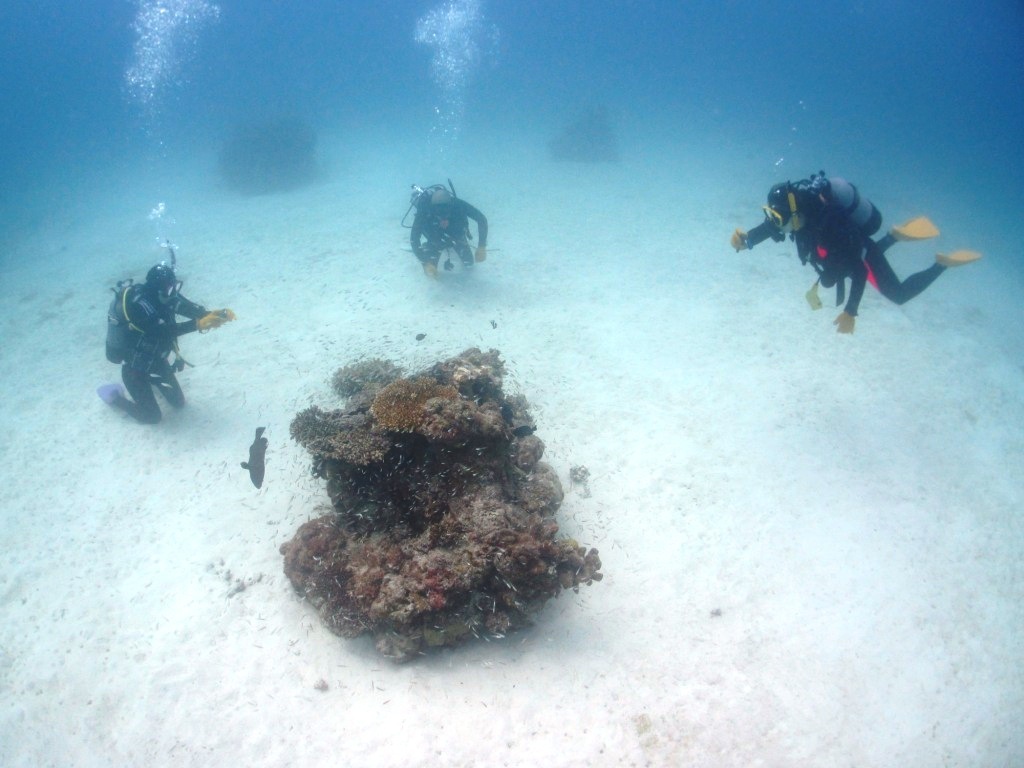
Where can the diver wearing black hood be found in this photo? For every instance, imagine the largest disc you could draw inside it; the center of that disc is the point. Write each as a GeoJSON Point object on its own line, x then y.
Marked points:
{"type": "Point", "coordinates": [832, 226]}
{"type": "Point", "coordinates": [142, 332]}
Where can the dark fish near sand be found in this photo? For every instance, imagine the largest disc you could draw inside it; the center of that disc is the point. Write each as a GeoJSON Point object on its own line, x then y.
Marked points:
{"type": "Point", "coordinates": [257, 458]}
{"type": "Point", "coordinates": [420, 336]}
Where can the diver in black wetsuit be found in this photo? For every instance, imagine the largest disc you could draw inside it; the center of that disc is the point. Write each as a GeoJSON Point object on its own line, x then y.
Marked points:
{"type": "Point", "coordinates": [142, 332]}
{"type": "Point", "coordinates": [443, 220]}
{"type": "Point", "coordinates": [832, 226]}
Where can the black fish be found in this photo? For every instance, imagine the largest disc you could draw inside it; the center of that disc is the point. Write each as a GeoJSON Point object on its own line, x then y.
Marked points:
{"type": "Point", "coordinates": [524, 430]}
{"type": "Point", "coordinates": [257, 458]}
{"type": "Point", "coordinates": [420, 336]}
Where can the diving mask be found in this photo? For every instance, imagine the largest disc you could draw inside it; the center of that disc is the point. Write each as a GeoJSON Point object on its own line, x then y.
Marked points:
{"type": "Point", "coordinates": [167, 293]}
{"type": "Point", "coordinates": [792, 223]}
{"type": "Point", "coordinates": [773, 217]}
{"type": "Point", "coordinates": [784, 220]}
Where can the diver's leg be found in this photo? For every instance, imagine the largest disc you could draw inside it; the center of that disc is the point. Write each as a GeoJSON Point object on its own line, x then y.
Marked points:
{"type": "Point", "coordinates": [142, 407]}
{"type": "Point", "coordinates": [890, 286]}
{"type": "Point", "coordinates": [431, 253]}
{"type": "Point", "coordinates": [169, 387]}
{"type": "Point", "coordinates": [886, 242]}
{"type": "Point", "coordinates": [465, 252]}
{"type": "Point", "coordinates": [428, 258]}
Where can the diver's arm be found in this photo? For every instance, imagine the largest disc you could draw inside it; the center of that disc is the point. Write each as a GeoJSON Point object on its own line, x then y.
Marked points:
{"type": "Point", "coordinates": [762, 232]}
{"type": "Point", "coordinates": [858, 279]}
{"type": "Point", "coordinates": [481, 223]}
{"type": "Point", "coordinates": [844, 243]}
{"type": "Point", "coordinates": [414, 236]}
{"type": "Point", "coordinates": [189, 309]}
{"type": "Point", "coordinates": [165, 332]}
{"type": "Point", "coordinates": [180, 329]}
{"type": "Point", "coordinates": [159, 328]}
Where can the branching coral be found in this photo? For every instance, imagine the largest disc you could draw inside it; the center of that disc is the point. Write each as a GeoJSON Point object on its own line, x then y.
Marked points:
{"type": "Point", "coordinates": [444, 526]}
{"type": "Point", "coordinates": [339, 435]}
{"type": "Point", "coordinates": [366, 374]}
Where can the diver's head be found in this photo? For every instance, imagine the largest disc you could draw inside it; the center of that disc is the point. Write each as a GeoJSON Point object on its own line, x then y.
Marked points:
{"type": "Point", "coordinates": [782, 210]}
{"type": "Point", "coordinates": [163, 283]}
{"type": "Point", "coordinates": [441, 205]}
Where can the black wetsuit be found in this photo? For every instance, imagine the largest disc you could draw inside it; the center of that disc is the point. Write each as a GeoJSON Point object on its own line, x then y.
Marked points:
{"type": "Point", "coordinates": [839, 249]}
{"type": "Point", "coordinates": [446, 226]}
{"type": "Point", "coordinates": [141, 334]}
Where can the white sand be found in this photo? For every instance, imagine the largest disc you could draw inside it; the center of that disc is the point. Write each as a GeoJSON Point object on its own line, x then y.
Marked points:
{"type": "Point", "coordinates": [851, 506]}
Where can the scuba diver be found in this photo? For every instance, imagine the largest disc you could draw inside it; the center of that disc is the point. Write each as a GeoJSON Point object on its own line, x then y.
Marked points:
{"type": "Point", "coordinates": [443, 219]}
{"type": "Point", "coordinates": [142, 332]}
{"type": "Point", "coordinates": [832, 225]}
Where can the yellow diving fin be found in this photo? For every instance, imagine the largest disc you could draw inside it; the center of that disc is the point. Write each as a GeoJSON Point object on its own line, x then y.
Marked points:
{"type": "Point", "coordinates": [957, 258]}
{"type": "Point", "coordinates": [812, 296]}
{"type": "Point", "coordinates": [920, 228]}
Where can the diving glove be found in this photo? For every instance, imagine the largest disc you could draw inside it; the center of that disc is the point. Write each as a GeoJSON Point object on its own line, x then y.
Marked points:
{"type": "Point", "coordinates": [214, 319]}
{"type": "Point", "coordinates": [739, 240]}
{"type": "Point", "coordinates": [481, 253]}
{"type": "Point", "coordinates": [812, 296]}
{"type": "Point", "coordinates": [430, 269]}
{"type": "Point", "coordinates": [844, 323]}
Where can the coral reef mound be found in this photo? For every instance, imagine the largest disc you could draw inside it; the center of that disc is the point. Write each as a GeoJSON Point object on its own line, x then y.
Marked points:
{"type": "Point", "coordinates": [443, 524]}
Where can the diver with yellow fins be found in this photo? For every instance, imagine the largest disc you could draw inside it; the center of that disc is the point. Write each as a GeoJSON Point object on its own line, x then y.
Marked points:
{"type": "Point", "coordinates": [832, 225]}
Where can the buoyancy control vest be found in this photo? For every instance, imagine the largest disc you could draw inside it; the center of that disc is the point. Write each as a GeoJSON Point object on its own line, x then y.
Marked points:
{"type": "Point", "coordinates": [127, 342]}
{"type": "Point", "coordinates": [843, 199]}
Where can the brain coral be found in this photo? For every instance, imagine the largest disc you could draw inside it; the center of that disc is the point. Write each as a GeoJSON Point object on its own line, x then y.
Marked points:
{"type": "Point", "coordinates": [399, 405]}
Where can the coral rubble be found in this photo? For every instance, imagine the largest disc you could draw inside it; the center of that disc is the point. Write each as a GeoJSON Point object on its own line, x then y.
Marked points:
{"type": "Point", "coordinates": [443, 526]}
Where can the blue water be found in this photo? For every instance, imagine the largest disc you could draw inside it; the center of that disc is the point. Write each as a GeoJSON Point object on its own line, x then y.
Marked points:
{"type": "Point", "coordinates": [852, 84]}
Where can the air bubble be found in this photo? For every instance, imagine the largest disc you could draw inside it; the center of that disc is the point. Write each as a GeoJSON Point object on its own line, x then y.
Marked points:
{"type": "Point", "coordinates": [165, 35]}
{"type": "Point", "coordinates": [456, 32]}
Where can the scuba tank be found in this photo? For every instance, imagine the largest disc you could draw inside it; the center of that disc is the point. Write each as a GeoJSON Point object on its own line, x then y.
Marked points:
{"type": "Point", "coordinates": [117, 323]}
{"type": "Point", "coordinates": [843, 196]}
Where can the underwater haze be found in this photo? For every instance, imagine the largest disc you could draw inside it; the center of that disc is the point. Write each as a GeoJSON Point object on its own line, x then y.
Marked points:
{"type": "Point", "coordinates": [933, 100]}
{"type": "Point", "coordinates": [810, 541]}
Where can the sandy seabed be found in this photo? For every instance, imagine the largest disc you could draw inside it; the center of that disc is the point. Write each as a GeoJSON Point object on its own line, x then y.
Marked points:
{"type": "Point", "coordinates": [811, 542]}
